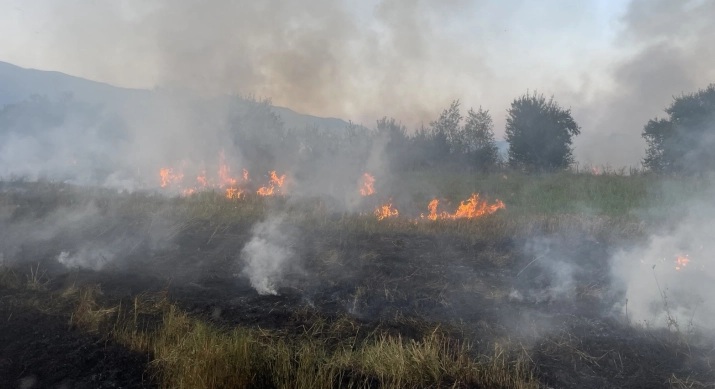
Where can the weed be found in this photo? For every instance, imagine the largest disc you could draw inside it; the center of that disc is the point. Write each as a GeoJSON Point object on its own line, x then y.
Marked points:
{"type": "Point", "coordinates": [37, 279]}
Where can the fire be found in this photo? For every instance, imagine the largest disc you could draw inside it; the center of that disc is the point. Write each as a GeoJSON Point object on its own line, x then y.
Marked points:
{"type": "Point", "coordinates": [234, 193]}
{"type": "Point", "coordinates": [368, 185]}
{"type": "Point", "coordinates": [222, 179]}
{"type": "Point", "coordinates": [274, 186]}
{"type": "Point", "coordinates": [168, 177]}
{"type": "Point", "coordinates": [681, 261]}
{"type": "Point", "coordinates": [432, 207]}
{"type": "Point", "coordinates": [386, 211]}
{"type": "Point", "coordinates": [225, 178]}
{"type": "Point", "coordinates": [202, 180]}
{"type": "Point", "coordinates": [471, 208]}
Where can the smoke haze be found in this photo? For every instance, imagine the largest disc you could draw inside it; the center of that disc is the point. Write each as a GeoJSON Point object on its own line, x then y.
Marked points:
{"type": "Point", "coordinates": [616, 66]}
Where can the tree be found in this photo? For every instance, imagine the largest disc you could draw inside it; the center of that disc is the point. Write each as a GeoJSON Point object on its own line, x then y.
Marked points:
{"type": "Point", "coordinates": [478, 136]}
{"type": "Point", "coordinates": [539, 133]}
{"type": "Point", "coordinates": [685, 141]}
{"type": "Point", "coordinates": [448, 127]}
{"type": "Point", "coordinates": [393, 131]}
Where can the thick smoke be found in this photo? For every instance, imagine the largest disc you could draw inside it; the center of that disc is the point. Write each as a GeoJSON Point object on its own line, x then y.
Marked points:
{"type": "Point", "coordinates": [316, 56]}
{"type": "Point", "coordinates": [669, 281]}
{"type": "Point", "coordinates": [268, 258]}
{"type": "Point", "coordinates": [406, 59]}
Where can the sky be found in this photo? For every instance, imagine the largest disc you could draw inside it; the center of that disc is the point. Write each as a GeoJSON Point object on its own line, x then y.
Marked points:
{"type": "Point", "coordinates": [615, 64]}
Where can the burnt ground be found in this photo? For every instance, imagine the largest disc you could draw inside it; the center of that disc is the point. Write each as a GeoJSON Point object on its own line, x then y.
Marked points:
{"type": "Point", "coordinates": [514, 288]}
{"type": "Point", "coordinates": [39, 350]}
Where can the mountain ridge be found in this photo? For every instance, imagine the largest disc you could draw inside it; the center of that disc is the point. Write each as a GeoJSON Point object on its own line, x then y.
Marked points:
{"type": "Point", "coordinates": [18, 83]}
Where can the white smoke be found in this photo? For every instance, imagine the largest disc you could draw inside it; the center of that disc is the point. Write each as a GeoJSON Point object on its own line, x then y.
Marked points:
{"type": "Point", "coordinates": [662, 292]}
{"type": "Point", "coordinates": [85, 259]}
{"type": "Point", "coordinates": [268, 256]}
{"type": "Point", "coordinates": [549, 276]}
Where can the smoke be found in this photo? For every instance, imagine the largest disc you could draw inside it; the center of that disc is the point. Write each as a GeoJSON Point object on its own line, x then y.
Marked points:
{"type": "Point", "coordinates": [268, 257]}
{"type": "Point", "coordinates": [551, 272]}
{"type": "Point", "coordinates": [83, 235]}
{"type": "Point", "coordinates": [669, 281]}
{"type": "Point", "coordinates": [665, 50]}
{"type": "Point", "coordinates": [308, 55]}
{"type": "Point", "coordinates": [556, 268]}
{"type": "Point", "coordinates": [615, 65]}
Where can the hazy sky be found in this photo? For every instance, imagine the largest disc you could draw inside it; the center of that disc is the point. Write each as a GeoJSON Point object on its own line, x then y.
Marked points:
{"type": "Point", "coordinates": [615, 63]}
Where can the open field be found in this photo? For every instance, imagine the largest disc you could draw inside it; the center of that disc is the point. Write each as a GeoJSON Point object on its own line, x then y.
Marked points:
{"type": "Point", "coordinates": [107, 289]}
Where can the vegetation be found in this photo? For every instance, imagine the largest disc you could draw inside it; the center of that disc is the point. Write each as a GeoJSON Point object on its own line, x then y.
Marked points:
{"type": "Point", "coordinates": [192, 350]}
{"type": "Point", "coordinates": [407, 263]}
{"type": "Point", "coordinates": [189, 353]}
{"type": "Point", "coordinates": [540, 134]}
{"type": "Point", "coordinates": [685, 141]}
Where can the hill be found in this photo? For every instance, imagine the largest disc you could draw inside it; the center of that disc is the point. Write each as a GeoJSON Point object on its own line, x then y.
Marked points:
{"type": "Point", "coordinates": [17, 83]}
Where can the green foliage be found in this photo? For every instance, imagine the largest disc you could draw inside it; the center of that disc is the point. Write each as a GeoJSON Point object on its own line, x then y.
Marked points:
{"type": "Point", "coordinates": [448, 126]}
{"type": "Point", "coordinates": [479, 141]}
{"type": "Point", "coordinates": [471, 144]}
{"type": "Point", "coordinates": [685, 141]}
{"type": "Point", "coordinates": [540, 134]}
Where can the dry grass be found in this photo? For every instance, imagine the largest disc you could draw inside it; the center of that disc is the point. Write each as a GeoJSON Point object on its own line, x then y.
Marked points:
{"type": "Point", "coordinates": [189, 353]}
{"type": "Point", "coordinates": [37, 278]}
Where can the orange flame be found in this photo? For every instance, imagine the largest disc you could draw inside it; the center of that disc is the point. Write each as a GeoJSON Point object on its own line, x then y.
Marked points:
{"type": "Point", "coordinates": [385, 211]}
{"type": "Point", "coordinates": [681, 261]}
{"type": "Point", "coordinates": [234, 193]}
{"type": "Point", "coordinates": [168, 177]}
{"type": "Point", "coordinates": [224, 173]}
{"type": "Point", "coordinates": [368, 185]}
{"type": "Point", "coordinates": [202, 179]}
{"type": "Point", "coordinates": [222, 179]}
{"type": "Point", "coordinates": [274, 186]}
{"type": "Point", "coordinates": [432, 207]}
{"type": "Point", "coordinates": [469, 209]}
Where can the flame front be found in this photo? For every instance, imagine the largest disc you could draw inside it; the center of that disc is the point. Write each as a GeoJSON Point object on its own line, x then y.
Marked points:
{"type": "Point", "coordinates": [274, 186]}
{"type": "Point", "coordinates": [681, 261]}
{"type": "Point", "coordinates": [386, 211]}
{"type": "Point", "coordinates": [471, 208]}
{"type": "Point", "coordinates": [234, 187]}
{"type": "Point", "coordinates": [368, 185]}
{"type": "Point", "coordinates": [432, 207]}
{"type": "Point", "coordinates": [234, 193]}
{"type": "Point", "coordinates": [168, 177]}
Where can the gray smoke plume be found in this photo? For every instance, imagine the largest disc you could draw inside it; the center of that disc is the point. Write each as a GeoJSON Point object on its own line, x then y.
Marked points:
{"type": "Point", "coordinates": [666, 50]}
{"type": "Point", "coordinates": [268, 257]}
{"type": "Point", "coordinates": [405, 59]}
{"type": "Point", "coordinates": [669, 281]}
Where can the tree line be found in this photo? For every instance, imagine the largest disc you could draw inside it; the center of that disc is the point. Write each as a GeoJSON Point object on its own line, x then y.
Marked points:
{"type": "Point", "coordinates": [539, 133]}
